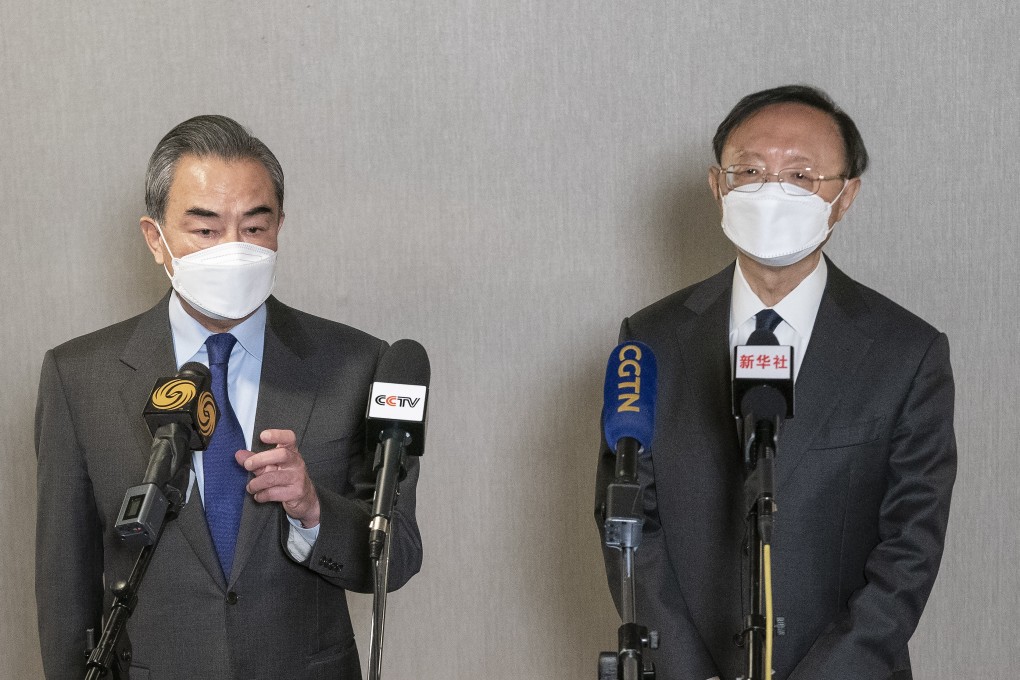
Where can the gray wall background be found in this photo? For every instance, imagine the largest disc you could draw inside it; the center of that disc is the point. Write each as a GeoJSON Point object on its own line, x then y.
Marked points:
{"type": "Point", "coordinates": [504, 181]}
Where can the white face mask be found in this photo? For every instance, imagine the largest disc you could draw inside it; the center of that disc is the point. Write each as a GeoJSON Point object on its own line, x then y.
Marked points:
{"type": "Point", "coordinates": [774, 228]}
{"type": "Point", "coordinates": [228, 281]}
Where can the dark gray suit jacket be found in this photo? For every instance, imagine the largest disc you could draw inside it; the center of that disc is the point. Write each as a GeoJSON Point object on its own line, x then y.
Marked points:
{"type": "Point", "coordinates": [273, 618]}
{"type": "Point", "coordinates": [865, 471]}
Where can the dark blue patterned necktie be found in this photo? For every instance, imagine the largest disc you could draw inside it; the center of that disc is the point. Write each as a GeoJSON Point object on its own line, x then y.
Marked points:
{"type": "Point", "coordinates": [223, 493]}
{"type": "Point", "coordinates": [765, 323]}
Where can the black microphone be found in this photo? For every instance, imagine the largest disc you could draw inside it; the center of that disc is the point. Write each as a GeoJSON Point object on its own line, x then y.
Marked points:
{"type": "Point", "coordinates": [762, 380]}
{"type": "Point", "coordinates": [181, 415]}
{"type": "Point", "coordinates": [628, 423]}
{"type": "Point", "coordinates": [396, 421]}
{"type": "Point", "coordinates": [762, 399]}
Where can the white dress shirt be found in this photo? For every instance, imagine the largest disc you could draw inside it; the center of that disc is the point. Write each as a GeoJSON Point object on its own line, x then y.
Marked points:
{"type": "Point", "coordinates": [798, 309]}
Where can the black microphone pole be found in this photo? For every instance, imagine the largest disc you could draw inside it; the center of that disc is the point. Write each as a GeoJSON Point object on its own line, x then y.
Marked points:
{"type": "Point", "coordinates": [396, 421]}
{"type": "Point", "coordinates": [623, 527]}
{"type": "Point", "coordinates": [762, 399]}
{"type": "Point", "coordinates": [182, 415]}
{"type": "Point", "coordinates": [628, 423]}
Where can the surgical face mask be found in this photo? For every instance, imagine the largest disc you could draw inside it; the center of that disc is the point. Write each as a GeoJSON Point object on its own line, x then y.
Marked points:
{"type": "Point", "coordinates": [774, 228]}
{"type": "Point", "coordinates": [228, 281]}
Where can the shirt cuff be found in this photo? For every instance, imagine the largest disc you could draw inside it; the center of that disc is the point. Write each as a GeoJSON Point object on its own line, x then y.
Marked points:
{"type": "Point", "coordinates": [300, 540]}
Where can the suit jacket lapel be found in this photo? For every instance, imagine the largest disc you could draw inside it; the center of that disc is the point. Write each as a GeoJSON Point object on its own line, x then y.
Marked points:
{"type": "Point", "coordinates": [838, 345]}
{"type": "Point", "coordinates": [285, 402]}
{"type": "Point", "coordinates": [709, 426]}
{"type": "Point", "coordinates": [704, 347]}
{"type": "Point", "coordinates": [150, 353]}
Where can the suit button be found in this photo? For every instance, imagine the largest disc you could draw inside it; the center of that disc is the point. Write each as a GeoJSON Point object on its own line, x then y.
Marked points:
{"type": "Point", "coordinates": [330, 564]}
{"type": "Point", "coordinates": [231, 597]}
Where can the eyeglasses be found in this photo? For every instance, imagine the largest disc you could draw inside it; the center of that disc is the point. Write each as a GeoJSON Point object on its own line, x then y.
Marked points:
{"type": "Point", "coordinates": [793, 181]}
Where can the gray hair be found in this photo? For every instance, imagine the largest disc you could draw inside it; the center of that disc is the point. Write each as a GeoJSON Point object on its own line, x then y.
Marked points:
{"type": "Point", "coordinates": [204, 136]}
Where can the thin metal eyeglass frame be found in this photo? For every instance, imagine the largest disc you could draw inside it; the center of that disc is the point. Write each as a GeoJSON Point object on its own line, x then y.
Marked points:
{"type": "Point", "coordinates": [728, 172]}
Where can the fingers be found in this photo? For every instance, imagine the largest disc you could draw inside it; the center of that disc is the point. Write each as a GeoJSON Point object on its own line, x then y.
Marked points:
{"type": "Point", "coordinates": [285, 438]}
{"type": "Point", "coordinates": [284, 455]}
{"type": "Point", "coordinates": [280, 476]}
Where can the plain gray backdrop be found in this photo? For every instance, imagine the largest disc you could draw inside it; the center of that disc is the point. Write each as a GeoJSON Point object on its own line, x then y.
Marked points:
{"type": "Point", "coordinates": [504, 181]}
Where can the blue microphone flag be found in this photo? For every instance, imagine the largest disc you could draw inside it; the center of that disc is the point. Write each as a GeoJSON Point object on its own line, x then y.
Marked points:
{"type": "Point", "coordinates": [628, 406]}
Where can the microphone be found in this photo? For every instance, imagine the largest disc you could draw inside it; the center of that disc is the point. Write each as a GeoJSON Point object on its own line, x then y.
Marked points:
{"type": "Point", "coordinates": [181, 415]}
{"type": "Point", "coordinates": [628, 406]}
{"type": "Point", "coordinates": [762, 399]}
{"type": "Point", "coordinates": [628, 424]}
{"type": "Point", "coordinates": [762, 381]}
{"type": "Point", "coordinates": [184, 400]}
{"type": "Point", "coordinates": [396, 421]}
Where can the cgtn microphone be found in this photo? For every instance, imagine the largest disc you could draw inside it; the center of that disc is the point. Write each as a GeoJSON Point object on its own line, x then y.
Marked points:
{"type": "Point", "coordinates": [628, 406]}
{"type": "Point", "coordinates": [628, 424]}
{"type": "Point", "coordinates": [181, 415]}
{"type": "Point", "coordinates": [396, 421]}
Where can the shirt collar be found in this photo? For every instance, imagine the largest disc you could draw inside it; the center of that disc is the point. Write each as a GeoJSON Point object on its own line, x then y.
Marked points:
{"type": "Point", "coordinates": [190, 336]}
{"type": "Point", "coordinates": [799, 308]}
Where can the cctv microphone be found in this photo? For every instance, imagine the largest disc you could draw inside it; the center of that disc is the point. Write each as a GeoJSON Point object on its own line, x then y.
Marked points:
{"type": "Point", "coordinates": [628, 424]}
{"type": "Point", "coordinates": [181, 415]}
{"type": "Point", "coordinates": [395, 422]}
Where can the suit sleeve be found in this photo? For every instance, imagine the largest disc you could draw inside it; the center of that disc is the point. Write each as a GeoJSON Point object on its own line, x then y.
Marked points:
{"type": "Point", "coordinates": [866, 640]}
{"type": "Point", "coordinates": [682, 655]}
{"type": "Point", "coordinates": [69, 547]}
{"type": "Point", "coordinates": [340, 553]}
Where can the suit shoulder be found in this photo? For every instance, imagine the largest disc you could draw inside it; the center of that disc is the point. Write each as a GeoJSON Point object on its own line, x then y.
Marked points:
{"type": "Point", "coordinates": [887, 319]}
{"type": "Point", "coordinates": [673, 309]}
{"type": "Point", "coordinates": [108, 341]}
{"type": "Point", "coordinates": [888, 309]}
{"type": "Point", "coordinates": [315, 334]}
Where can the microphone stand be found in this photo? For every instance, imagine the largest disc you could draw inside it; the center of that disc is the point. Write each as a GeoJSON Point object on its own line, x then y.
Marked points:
{"type": "Point", "coordinates": [168, 461]}
{"type": "Point", "coordinates": [623, 524]}
{"type": "Point", "coordinates": [389, 461]}
{"type": "Point", "coordinates": [759, 492]}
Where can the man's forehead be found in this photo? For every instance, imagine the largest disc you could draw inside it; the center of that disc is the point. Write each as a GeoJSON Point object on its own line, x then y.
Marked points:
{"type": "Point", "coordinates": [796, 132]}
{"type": "Point", "coordinates": [214, 177]}
{"type": "Point", "coordinates": [241, 165]}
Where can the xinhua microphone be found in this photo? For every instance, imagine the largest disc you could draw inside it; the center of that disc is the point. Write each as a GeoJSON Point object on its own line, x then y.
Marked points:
{"type": "Point", "coordinates": [396, 420]}
{"type": "Point", "coordinates": [181, 415]}
{"type": "Point", "coordinates": [762, 399]}
{"type": "Point", "coordinates": [763, 382]}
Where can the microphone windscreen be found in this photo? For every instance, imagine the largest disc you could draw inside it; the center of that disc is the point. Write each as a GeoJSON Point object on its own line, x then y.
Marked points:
{"type": "Point", "coordinates": [406, 362]}
{"type": "Point", "coordinates": [184, 399]}
{"type": "Point", "coordinates": [195, 371]}
{"type": "Point", "coordinates": [398, 398]}
{"type": "Point", "coordinates": [763, 380]}
{"type": "Point", "coordinates": [628, 406]}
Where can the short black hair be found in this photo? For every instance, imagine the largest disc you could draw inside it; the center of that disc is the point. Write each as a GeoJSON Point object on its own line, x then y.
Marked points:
{"type": "Point", "coordinates": [853, 145]}
{"type": "Point", "coordinates": [204, 136]}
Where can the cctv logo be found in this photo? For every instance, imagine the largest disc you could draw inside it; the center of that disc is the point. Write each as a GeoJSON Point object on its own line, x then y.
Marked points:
{"type": "Point", "coordinates": [394, 400]}
{"type": "Point", "coordinates": [391, 401]}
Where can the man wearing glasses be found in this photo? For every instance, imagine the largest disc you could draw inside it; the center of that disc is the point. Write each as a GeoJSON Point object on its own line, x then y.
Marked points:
{"type": "Point", "coordinates": [865, 469]}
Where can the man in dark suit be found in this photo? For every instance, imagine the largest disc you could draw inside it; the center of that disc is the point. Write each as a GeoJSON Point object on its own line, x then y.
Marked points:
{"type": "Point", "coordinates": [865, 469]}
{"type": "Point", "coordinates": [249, 581]}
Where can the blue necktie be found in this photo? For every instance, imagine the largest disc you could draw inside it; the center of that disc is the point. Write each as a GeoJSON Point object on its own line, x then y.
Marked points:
{"type": "Point", "coordinates": [765, 323]}
{"type": "Point", "coordinates": [225, 480]}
